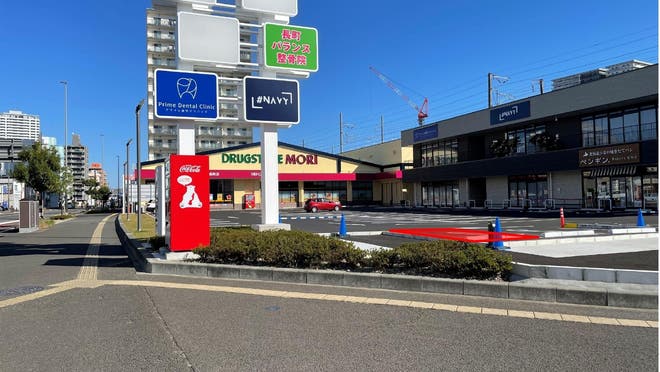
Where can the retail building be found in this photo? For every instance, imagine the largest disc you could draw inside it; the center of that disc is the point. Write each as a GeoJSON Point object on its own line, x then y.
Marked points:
{"type": "Point", "coordinates": [304, 173]}
{"type": "Point", "coordinates": [588, 145]}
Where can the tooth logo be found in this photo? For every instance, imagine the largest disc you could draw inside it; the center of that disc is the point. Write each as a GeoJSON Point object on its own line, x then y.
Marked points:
{"type": "Point", "coordinates": [186, 86]}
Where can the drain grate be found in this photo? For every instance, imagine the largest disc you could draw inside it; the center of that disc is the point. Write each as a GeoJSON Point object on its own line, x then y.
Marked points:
{"type": "Point", "coordinates": [20, 290]}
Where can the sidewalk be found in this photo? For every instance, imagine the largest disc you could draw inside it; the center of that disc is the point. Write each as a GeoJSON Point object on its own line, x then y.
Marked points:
{"type": "Point", "coordinates": [560, 291]}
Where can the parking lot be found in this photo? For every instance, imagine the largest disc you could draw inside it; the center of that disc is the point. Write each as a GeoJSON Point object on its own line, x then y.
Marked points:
{"type": "Point", "coordinates": [641, 254]}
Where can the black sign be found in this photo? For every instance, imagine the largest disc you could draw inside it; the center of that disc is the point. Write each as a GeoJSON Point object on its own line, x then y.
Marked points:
{"type": "Point", "coordinates": [509, 113]}
{"type": "Point", "coordinates": [271, 100]}
{"type": "Point", "coordinates": [611, 155]}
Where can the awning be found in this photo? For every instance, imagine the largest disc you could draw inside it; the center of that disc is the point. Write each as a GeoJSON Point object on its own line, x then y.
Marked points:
{"type": "Point", "coordinates": [629, 170]}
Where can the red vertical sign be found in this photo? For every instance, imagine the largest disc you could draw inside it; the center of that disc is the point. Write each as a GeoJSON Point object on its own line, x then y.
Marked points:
{"type": "Point", "coordinates": [189, 202]}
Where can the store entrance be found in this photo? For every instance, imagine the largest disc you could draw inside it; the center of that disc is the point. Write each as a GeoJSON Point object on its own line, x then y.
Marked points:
{"type": "Point", "coordinates": [620, 192]}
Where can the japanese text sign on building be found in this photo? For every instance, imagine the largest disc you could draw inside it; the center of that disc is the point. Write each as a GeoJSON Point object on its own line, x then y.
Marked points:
{"type": "Point", "coordinates": [290, 47]}
{"type": "Point", "coordinates": [271, 100]}
{"type": "Point", "coordinates": [612, 155]}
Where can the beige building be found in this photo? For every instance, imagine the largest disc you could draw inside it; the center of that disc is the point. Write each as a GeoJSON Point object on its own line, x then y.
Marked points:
{"type": "Point", "coordinates": [303, 173]}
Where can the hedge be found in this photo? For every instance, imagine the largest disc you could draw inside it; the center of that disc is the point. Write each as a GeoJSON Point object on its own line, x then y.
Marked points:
{"type": "Point", "coordinates": [298, 249]}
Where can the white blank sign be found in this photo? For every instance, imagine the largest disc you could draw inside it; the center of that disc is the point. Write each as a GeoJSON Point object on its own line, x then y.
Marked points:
{"type": "Point", "coordinates": [206, 38]}
{"type": "Point", "coordinates": [283, 7]}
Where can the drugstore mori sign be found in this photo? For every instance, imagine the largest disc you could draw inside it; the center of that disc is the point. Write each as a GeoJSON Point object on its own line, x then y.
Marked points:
{"type": "Point", "coordinates": [288, 159]}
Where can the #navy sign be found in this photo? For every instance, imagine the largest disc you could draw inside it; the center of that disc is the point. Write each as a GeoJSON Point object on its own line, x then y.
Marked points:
{"type": "Point", "coordinates": [425, 133]}
{"type": "Point", "coordinates": [271, 100]}
{"type": "Point", "coordinates": [185, 95]}
{"type": "Point", "coordinates": [509, 113]}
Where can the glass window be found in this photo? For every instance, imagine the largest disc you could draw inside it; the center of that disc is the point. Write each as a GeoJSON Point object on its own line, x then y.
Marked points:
{"type": "Point", "coordinates": [648, 123]}
{"type": "Point", "coordinates": [600, 131]}
{"type": "Point", "coordinates": [588, 132]}
{"type": "Point", "coordinates": [616, 128]}
{"type": "Point", "coordinates": [631, 126]}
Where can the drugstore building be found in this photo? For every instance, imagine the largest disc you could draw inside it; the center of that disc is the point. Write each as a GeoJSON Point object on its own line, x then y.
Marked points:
{"type": "Point", "coordinates": [588, 146]}
{"type": "Point", "coordinates": [235, 176]}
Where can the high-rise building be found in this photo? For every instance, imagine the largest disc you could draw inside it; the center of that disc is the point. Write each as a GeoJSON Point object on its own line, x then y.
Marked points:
{"type": "Point", "coordinates": [161, 54]}
{"type": "Point", "coordinates": [77, 158]}
{"type": "Point", "coordinates": [19, 125]}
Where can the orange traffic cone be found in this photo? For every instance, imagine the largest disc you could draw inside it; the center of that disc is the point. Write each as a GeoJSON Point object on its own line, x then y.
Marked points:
{"type": "Point", "coordinates": [562, 222]}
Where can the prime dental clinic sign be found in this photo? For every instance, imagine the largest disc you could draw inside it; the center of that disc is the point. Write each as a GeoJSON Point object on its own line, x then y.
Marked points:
{"type": "Point", "coordinates": [287, 159]}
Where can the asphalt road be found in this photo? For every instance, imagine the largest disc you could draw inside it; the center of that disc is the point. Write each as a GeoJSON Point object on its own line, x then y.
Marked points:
{"type": "Point", "coordinates": [96, 313]}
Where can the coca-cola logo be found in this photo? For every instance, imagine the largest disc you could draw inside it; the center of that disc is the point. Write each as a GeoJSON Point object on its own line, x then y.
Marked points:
{"type": "Point", "coordinates": [188, 168]}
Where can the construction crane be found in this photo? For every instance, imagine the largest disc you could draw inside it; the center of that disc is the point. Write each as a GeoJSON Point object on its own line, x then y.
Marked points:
{"type": "Point", "coordinates": [422, 113]}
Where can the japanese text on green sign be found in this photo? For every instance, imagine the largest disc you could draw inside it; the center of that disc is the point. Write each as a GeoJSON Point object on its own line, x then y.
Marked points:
{"type": "Point", "coordinates": [291, 47]}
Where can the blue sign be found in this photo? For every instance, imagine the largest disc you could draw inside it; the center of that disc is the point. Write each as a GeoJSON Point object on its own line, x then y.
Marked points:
{"type": "Point", "coordinates": [509, 113]}
{"type": "Point", "coordinates": [425, 133]}
{"type": "Point", "coordinates": [185, 95]}
{"type": "Point", "coordinates": [271, 100]}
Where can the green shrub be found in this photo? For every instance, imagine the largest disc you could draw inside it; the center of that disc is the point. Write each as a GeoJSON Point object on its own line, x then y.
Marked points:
{"type": "Point", "coordinates": [298, 249]}
{"type": "Point", "coordinates": [61, 217]}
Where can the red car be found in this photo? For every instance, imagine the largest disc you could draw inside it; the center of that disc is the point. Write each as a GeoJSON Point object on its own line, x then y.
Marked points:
{"type": "Point", "coordinates": [318, 204]}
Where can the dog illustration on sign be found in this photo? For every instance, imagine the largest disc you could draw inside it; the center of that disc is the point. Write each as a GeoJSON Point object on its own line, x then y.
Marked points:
{"type": "Point", "coordinates": [190, 198]}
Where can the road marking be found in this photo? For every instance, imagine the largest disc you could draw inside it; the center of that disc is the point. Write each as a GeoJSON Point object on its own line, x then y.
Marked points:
{"type": "Point", "coordinates": [89, 269]}
{"type": "Point", "coordinates": [86, 283]}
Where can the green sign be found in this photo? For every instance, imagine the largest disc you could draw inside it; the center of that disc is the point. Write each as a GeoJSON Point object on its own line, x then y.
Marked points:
{"type": "Point", "coordinates": [291, 47]}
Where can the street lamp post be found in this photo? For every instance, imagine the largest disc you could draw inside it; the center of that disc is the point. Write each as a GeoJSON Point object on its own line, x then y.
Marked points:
{"type": "Point", "coordinates": [128, 193]}
{"type": "Point", "coordinates": [139, 168]}
{"type": "Point", "coordinates": [117, 198]}
{"type": "Point", "coordinates": [66, 119]}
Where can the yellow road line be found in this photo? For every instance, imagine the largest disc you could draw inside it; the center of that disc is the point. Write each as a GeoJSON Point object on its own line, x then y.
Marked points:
{"type": "Point", "coordinates": [392, 302]}
{"type": "Point", "coordinates": [89, 269]}
{"type": "Point", "coordinates": [82, 283]}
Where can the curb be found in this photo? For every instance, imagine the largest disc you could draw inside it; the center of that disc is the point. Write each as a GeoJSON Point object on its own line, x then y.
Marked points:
{"type": "Point", "coordinates": [512, 290]}
{"type": "Point", "coordinates": [587, 274]}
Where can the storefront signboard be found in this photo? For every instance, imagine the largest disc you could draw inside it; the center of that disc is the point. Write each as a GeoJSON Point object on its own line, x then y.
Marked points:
{"type": "Point", "coordinates": [271, 100]}
{"type": "Point", "coordinates": [508, 113]}
{"type": "Point", "coordinates": [425, 133]}
{"type": "Point", "coordinates": [291, 47]}
{"type": "Point", "coordinates": [185, 95]}
{"type": "Point", "coordinates": [610, 155]}
{"type": "Point", "coordinates": [189, 202]}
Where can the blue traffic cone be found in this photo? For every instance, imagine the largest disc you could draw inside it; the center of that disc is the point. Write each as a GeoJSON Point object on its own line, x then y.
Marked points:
{"type": "Point", "coordinates": [342, 226]}
{"type": "Point", "coordinates": [498, 244]}
{"type": "Point", "coordinates": [640, 218]}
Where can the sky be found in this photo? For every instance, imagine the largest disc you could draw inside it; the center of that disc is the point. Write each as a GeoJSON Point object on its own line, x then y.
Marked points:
{"type": "Point", "coordinates": [439, 50]}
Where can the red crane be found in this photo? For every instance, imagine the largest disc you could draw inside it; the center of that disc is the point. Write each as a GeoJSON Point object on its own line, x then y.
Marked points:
{"type": "Point", "coordinates": [422, 113]}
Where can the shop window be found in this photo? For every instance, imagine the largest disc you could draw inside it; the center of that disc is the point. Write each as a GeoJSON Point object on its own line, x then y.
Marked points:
{"type": "Point", "coordinates": [362, 191]}
{"type": "Point", "coordinates": [439, 153]}
{"type": "Point", "coordinates": [617, 127]}
{"type": "Point", "coordinates": [648, 121]}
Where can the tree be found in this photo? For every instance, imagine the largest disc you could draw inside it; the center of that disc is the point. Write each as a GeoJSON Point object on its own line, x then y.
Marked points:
{"type": "Point", "coordinates": [39, 169]}
{"type": "Point", "coordinates": [97, 192]}
{"type": "Point", "coordinates": [64, 182]}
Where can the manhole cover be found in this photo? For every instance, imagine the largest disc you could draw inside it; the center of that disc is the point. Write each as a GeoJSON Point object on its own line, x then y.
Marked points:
{"type": "Point", "coordinates": [20, 290]}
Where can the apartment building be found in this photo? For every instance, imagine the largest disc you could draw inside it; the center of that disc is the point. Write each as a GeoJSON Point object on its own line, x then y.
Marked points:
{"type": "Point", "coordinates": [77, 160]}
{"type": "Point", "coordinates": [161, 54]}
{"type": "Point", "coordinates": [19, 125]}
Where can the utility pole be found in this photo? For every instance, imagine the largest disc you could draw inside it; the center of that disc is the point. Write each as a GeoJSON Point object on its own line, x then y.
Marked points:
{"type": "Point", "coordinates": [541, 85]}
{"type": "Point", "coordinates": [128, 185]}
{"type": "Point", "coordinates": [490, 89]}
{"type": "Point", "coordinates": [139, 168]}
{"type": "Point", "coordinates": [382, 130]}
{"type": "Point", "coordinates": [341, 134]}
